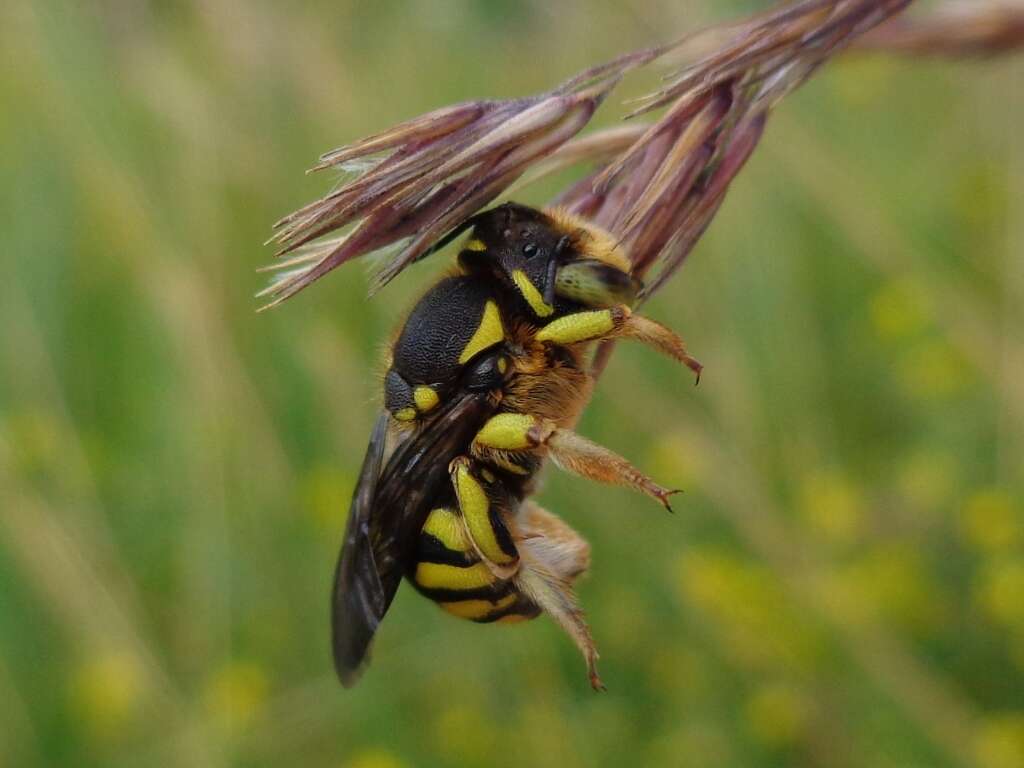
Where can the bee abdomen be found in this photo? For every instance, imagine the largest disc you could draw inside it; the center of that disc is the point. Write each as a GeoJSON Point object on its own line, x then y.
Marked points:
{"type": "Point", "coordinates": [449, 572]}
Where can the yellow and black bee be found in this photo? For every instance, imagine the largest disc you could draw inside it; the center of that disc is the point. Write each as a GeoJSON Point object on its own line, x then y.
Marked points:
{"type": "Point", "coordinates": [486, 380]}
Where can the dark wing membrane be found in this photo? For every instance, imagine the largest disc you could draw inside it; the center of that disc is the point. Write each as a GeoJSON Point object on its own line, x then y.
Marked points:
{"type": "Point", "coordinates": [389, 508]}
{"type": "Point", "coordinates": [358, 600]}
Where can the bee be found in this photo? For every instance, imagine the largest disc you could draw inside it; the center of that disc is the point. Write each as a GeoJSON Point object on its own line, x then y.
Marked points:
{"type": "Point", "coordinates": [485, 382]}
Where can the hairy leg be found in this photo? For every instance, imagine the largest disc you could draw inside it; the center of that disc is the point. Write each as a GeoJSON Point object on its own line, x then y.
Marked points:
{"type": "Point", "coordinates": [511, 439]}
{"type": "Point", "coordinates": [617, 323]}
{"type": "Point", "coordinates": [553, 556]}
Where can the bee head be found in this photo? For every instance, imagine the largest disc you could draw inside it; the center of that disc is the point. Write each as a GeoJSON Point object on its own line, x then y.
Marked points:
{"type": "Point", "coordinates": [522, 248]}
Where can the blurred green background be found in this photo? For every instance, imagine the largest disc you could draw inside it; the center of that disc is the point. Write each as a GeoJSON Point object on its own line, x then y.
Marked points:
{"type": "Point", "coordinates": [842, 583]}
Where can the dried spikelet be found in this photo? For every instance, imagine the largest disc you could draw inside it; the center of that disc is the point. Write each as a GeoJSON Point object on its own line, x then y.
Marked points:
{"type": "Point", "coordinates": [658, 188]}
{"type": "Point", "coordinates": [975, 28]}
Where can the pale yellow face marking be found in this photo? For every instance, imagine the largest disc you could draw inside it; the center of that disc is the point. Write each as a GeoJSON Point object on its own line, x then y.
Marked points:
{"type": "Point", "coordinates": [406, 414]}
{"type": "Point", "coordinates": [440, 576]}
{"type": "Point", "coordinates": [502, 365]}
{"type": "Point", "coordinates": [488, 333]}
{"type": "Point", "coordinates": [530, 293]}
{"type": "Point", "coordinates": [581, 326]}
{"type": "Point", "coordinates": [426, 398]}
{"type": "Point", "coordinates": [445, 526]}
{"type": "Point", "coordinates": [506, 432]}
{"type": "Point", "coordinates": [475, 244]}
{"type": "Point", "coordinates": [475, 508]}
{"type": "Point", "coordinates": [477, 609]}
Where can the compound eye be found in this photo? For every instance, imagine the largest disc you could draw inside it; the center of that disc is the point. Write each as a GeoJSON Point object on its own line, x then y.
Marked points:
{"type": "Point", "coordinates": [489, 372]}
{"type": "Point", "coordinates": [530, 250]}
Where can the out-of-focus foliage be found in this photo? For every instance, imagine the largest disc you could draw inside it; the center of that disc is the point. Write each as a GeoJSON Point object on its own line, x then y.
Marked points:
{"type": "Point", "coordinates": [842, 583]}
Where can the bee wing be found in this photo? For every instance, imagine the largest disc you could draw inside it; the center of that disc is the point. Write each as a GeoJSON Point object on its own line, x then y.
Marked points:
{"type": "Point", "coordinates": [389, 507]}
{"type": "Point", "coordinates": [358, 602]}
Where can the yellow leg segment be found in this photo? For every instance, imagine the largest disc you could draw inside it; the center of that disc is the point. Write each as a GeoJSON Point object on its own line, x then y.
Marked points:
{"type": "Point", "coordinates": [583, 326]}
{"type": "Point", "coordinates": [508, 439]}
{"type": "Point", "coordinates": [482, 522]}
{"type": "Point", "coordinates": [508, 435]}
{"type": "Point", "coordinates": [617, 322]}
{"type": "Point", "coordinates": [506, 432]}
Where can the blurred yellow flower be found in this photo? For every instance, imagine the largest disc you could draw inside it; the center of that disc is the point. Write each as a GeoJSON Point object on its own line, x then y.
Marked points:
{"type": "Point", "coordinates": [697, 743]}
{"type": "Point", "coordinates": [934, 370]}
{"type": "Point", "coordinates": [235, 694]}
{"type": "Point", "coordinates": [928, 479]}
{"type": "Point", "coordinates": [891, 583]}
{"type": "Point", "coordinates": [777, 714]}
{"type": "Point", "coordinates": [675, 456]}
{"type": "Point", "coordinates": [1000, 741]}
{"type": "Point", "coordinates": [748, 608]}
{"type": "Point", "coordinates": [34, 439]}
{"type": "Point", "coordinates": [327, 491]}
{"type": "Point", "coordinates": [991, 521]}
{"type": "Point", "coordinates": [980, 196]}
{"type": "Point", "coordinates": [105, 692]}
{"type": "Point", "coordinates": [832, 505]}
{"type": "Point", "coordinates": [1000, 591]}
{"type": "Point", "coordinates": [900, 310]}
{"type": "Point", "coordinates": [465, 733]}
{"type": "Point", "coordinates": [375, 757]}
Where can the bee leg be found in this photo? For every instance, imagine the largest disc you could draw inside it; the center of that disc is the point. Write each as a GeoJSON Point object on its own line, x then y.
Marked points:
{"type": "Point", "coordinates": [618, 323]}
{"type": "Point", "coordinates": [483, 504]}
{"type": "Point", "coordinates": [575, 453]}
{"type": "Point", "coordinates": [510, 440]}
{"type": "Point", "coordinates": [552, 557]}
{"type": "Point", "coordinates": [507, 437]}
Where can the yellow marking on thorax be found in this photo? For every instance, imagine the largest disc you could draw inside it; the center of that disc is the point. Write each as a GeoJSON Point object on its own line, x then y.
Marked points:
{"type": "Point", "coordinates": [475, 244]}
{"type": "Point", "coordinates": [529, 291]}
{"type": "Point", "coordinates": [488, 333]}
{"type": "Point", "coordinates": [477, 609]}
{"type": "Point", "coordinates": [440, 576]}
{"type": "Point", "coordinates": [425, 397]}
{"type": "Point", "coordinates": [445, 526]}
{"type": "Point", "coordinates": [506, 431]}
{"type": "Point", "coordinates": [577, 327]}
{"type": "Point", "coordinates": [475, 508]}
